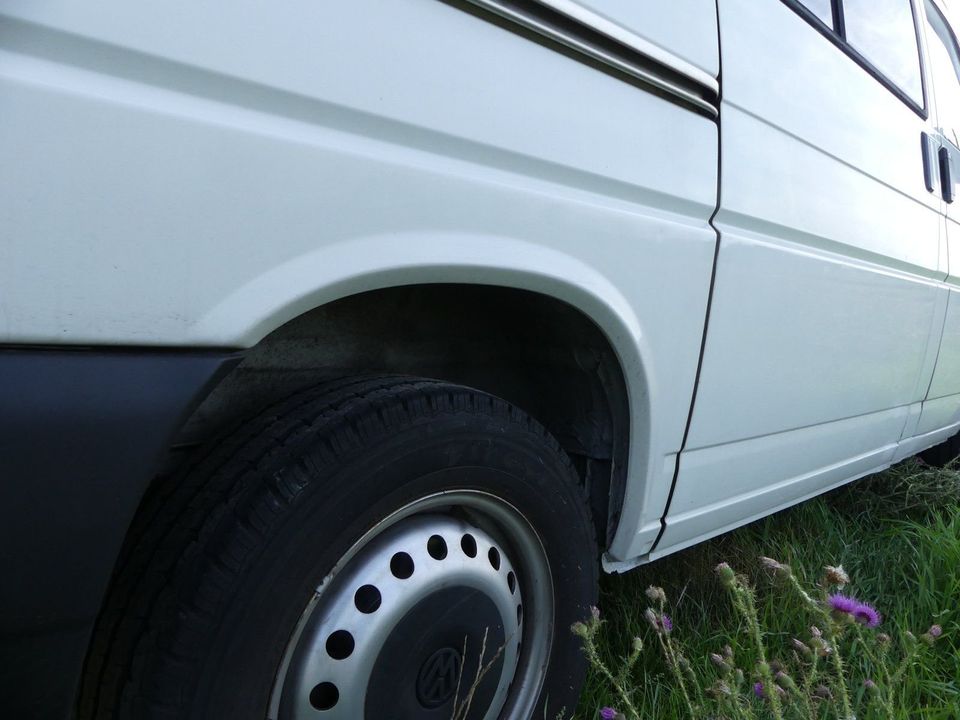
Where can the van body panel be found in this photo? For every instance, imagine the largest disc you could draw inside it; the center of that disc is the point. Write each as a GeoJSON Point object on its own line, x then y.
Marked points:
{"type": "Point", "coordinates": [824, 312]}
{"type": "Point", "coordinates": [210, 186]}
{"type": "Point", "coordinates": [779, 284]}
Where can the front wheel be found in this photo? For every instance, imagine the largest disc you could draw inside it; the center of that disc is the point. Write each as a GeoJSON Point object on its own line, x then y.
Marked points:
{"type": "Point", "coordinates": [387, 548]}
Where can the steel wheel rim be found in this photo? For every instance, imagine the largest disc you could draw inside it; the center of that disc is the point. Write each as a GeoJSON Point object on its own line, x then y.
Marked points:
{"type": "Point", "coordinates": [519, 588]}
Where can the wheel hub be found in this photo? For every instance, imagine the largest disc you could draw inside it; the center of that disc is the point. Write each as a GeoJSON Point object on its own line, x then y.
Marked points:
{"type": "Point", "coordinates": [426, 618]}
{"type": "Point", "coordinates": [439, 677]}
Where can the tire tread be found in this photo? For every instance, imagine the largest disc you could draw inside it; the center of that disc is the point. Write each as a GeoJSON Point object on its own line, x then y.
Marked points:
{"type": "Point", "coordinates": [202, 524]}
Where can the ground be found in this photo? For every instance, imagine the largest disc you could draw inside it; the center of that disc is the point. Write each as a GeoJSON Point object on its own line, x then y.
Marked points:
{"type": "Point", "coordinates": [897, 534]}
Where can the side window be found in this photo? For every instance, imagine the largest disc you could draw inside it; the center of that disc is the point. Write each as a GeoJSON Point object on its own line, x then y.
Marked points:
{"type": "Point", "coordinates": [883, 31]}
{"type": "Point", "coordinates": [945, 69]}
{"type": "Point", "coordinates": [879, 35]}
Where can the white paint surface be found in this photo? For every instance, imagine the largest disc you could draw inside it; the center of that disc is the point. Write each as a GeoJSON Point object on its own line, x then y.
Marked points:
{"type": "Point", "coordinates": [188, 174]}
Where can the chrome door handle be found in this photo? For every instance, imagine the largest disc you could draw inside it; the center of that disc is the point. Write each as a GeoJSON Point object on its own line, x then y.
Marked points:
{"type": "Point", "coordinates": [927, 151]}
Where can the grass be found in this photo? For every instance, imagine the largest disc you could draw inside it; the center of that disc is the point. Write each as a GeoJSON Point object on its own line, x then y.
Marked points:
{"type": "Point", "coordinates": [897, 534]}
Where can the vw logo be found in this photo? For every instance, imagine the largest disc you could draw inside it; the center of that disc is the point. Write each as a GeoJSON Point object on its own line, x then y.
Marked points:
{"type": "Point", "coordinates": [438, 677]}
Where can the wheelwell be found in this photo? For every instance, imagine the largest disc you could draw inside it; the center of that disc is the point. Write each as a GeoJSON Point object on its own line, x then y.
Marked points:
{"type": "Point", "coordinates": [538, 353]}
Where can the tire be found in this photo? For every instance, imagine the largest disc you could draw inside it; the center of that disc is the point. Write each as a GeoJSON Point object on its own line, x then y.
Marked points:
{"type": "Point", "coordinates": [244, 587]}
{"type": "Point", "coordinates": [943, 454]}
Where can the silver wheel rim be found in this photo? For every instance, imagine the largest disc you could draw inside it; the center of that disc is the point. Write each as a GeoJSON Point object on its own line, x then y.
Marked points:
{"type": "Point", "coordinates": [377, 628]}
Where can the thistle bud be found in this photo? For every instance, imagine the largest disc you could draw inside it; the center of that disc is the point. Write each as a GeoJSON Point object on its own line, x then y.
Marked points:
{"type": "Point", "coordinates": [883, 639]}
{"type": "Point", "coordinates": [728, 652]}
{"type": "Point", "coordinates": [777, 568]}
{"type": "Point", "coordinates": [815, 632]}
{"type": "Point", "coordinates": [935, 631]}
{"type": "Point", "coordinates": [595, 612]}
{"type": "Point", "coordinates": [579, 629]}
{"type": "Point", "coordinates": [871, 687]}
{"type": "Point", "coordinates": [651, 618]}
{"type": "Point", "coordinates": [836, 575]}
{"type": "Point", "coordinates": [802, 648]}
{"type": "Point", "coordinates": [785, 681]}
{"type": "Point", "coordinates": [719, 689]}
{"type": "Point", "coordinates": [718, 661]}
{"type": "Point", "coordinates": [823, 692]}
{"type": "Point", "coordinates": [768, 563]}
{"type": "Point", "coordinates": [726, 575]}
{"type": "Point", "coordinates": [637, 644]}
{"type": "Point", "coordinates": [656, 594]}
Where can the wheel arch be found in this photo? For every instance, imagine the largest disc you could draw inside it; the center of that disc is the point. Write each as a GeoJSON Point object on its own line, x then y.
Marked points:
{"type": "Point", "coordinates": [543, 355]}
{"type": "Point", "coordinates": [291, 308]}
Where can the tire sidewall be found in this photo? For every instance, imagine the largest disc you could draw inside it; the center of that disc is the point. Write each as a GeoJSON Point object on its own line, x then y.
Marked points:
{"type": "Point", "coordinates": [348, 491]}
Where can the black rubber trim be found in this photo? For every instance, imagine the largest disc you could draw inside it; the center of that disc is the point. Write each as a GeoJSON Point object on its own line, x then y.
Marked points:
{"type": "Point", "coordinates": [946, 174]}
{"type": "Point", "coordinates": [706, 318]}
{"type": "Point", "coordinates": [839, 23]}
{"type": "Point", "coordinates": [838, 38]}
{"type": "Point", "coordinates": [82, 432]}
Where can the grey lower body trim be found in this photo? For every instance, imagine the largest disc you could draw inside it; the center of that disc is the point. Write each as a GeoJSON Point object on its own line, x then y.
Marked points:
{"type": "Point", "coordinates": [82, 432]}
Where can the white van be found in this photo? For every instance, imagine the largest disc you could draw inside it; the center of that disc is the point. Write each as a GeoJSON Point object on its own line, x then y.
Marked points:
{"type": "Point", "coordinates": [344, 343]}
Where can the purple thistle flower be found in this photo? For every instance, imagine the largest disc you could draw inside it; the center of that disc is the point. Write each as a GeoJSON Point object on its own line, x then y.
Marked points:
{"type": "Point", "coordinates": [608, 713]}
{"type": "Point", "coordinates": [866, 614]}
{"type": "Point", "coordinates": [842, 603]}
{"type": "Point", "coordinates": [666, 622]}
{"type": "Point", "coordinates": [935, 631]}
{"type": "Point", "coordinates": [863, 613]}
{"type": "Point", "coordinates": [758, 689]}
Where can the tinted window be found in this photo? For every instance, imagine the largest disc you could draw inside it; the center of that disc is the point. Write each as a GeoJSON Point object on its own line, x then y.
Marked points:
{"type": "Point", "coordinates": [823, 9]}
{"type": "Point", "coordinates": [883, 32]}
{"type": "Point", "coordinates": [945, 68]}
